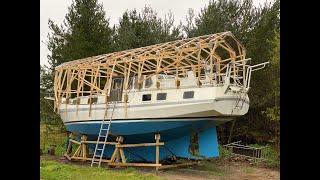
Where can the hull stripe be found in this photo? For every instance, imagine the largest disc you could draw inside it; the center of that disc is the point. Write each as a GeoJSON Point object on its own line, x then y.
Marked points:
{"type": "Point", "coordinates": [214, 118]}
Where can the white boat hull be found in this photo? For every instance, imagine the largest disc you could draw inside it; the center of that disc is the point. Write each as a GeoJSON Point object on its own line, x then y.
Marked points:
{"type": "Point", "coordinates": [207, 102]}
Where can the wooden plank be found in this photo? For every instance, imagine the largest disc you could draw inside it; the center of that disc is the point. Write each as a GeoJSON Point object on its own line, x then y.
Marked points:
{"type": "Point", "coordinates": [84, 146]}
{"type": "Point", "coordinates": [179, 165]}
{"type": "Point", "coordinates": [123, 158]}
{"type": "Point", "coordinates": [140, 144]}
{"type": "Point", "coordinates": [76, 154]}
{"type": "Point", "coordinates": [114, 155]}
{"type": "Point", "coordinates": [135, 164]}
{"type": "Point", "coordinates": [101, 142]}
{"type": "Point", "coordinates": [88, 159]}
{"type": "Point", "coordinates": [67, 156]}
{"type": "Point", "coordinates": [157, 137]}
{"type": "Point", "coordinates": [74, 141]}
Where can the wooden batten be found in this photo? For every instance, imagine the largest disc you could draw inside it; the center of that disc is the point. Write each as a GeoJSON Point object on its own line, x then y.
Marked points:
{"type": "Point", "coordinates": [178, 83]}
{"type": "Point", "coordinates": [158, 84]}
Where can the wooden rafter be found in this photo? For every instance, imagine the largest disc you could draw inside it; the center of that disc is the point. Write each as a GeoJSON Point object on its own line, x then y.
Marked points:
{"type": "Point", "coordinates": [178, 56]}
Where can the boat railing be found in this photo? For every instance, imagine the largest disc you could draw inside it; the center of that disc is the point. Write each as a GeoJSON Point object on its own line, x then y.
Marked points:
{"type": "Point", "coordinates": [250, 69]}
{"type": "Point", "coordinates": [241, 80]}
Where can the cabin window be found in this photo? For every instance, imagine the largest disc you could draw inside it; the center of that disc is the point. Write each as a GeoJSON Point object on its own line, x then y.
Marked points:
{"type": "Point", "coordinates": [117, 83]}
{"type": "Point", "coordinates": [161, 96]}
{"type": "Point", "coordinates": [148, 83]}
{"type": "Point", "coordinates": [188, 94]}
{"type": "Point", "coordinates": [146, 97]}
{"type": "Point", "coordinates": [94, 100]}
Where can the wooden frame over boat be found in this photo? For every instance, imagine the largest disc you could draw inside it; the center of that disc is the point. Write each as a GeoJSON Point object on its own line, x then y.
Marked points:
{"type": "Point", "coordinates": [94, 75]}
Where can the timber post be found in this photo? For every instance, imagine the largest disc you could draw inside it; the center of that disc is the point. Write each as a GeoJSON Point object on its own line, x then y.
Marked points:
{"type": "Point", "coordinates": [157, 138]}
{"type": "Point", "coordinates": [84, 146]}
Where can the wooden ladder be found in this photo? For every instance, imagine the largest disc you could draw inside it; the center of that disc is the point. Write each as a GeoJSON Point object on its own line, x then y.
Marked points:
{"type": "Point", "coordinates": [102, 139]}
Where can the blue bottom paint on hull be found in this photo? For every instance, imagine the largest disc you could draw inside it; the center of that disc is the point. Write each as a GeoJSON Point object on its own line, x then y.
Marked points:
{"type": "Point", "coordinates": [176, 135]}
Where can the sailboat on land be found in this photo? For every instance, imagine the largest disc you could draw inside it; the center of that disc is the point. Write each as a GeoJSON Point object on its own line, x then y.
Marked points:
{"type": "Point", "coordinates": [181, 89]}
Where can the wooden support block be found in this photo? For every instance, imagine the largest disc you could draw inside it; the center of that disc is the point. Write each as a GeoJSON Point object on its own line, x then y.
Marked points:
{"type": "Point", "coordinates": [119, 139]}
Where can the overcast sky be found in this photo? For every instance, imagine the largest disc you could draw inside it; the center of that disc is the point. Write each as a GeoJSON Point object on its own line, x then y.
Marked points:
{"type": "Point", "coordinates": [57, 9]}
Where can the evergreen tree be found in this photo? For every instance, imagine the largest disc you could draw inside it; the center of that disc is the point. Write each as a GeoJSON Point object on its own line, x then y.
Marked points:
{"type": "Point", "coordinates": [256, 28]}
{"type": "Point", "coordinates": [85, 32]}
{"type": "Point", "coordinates": [239, 17]}
{"type": "Point", "coordinates": [145, 28]}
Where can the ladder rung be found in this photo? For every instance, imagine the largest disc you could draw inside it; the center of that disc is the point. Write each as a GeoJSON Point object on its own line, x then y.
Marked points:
{"type": "Point", "coordinates": [105, 126]}
{"type": "Point", "coordinates": [95, 159]}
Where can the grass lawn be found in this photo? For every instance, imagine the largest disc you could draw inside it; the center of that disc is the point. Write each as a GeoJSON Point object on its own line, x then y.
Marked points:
{"type": "Point", "coordinates": [50, 169]}
{"type": "Point", "coordinates": [216, 168]}
{"type": "Point", "coordinates": [55, 170]}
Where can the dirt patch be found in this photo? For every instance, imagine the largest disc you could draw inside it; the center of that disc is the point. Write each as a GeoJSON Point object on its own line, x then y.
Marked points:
{"type": "Point", "coordinates": [223, 170]}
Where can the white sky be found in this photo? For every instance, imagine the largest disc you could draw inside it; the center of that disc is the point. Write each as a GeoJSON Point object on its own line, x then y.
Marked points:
{"type": "Point", "coordinates": [57, 9]}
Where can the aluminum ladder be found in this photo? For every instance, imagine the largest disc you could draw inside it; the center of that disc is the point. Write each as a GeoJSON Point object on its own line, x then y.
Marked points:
{"type": "Point", "coordinates": [102, 138]}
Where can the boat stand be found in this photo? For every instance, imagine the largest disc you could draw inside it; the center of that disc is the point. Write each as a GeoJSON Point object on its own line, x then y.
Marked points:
{"type": "Point", "coordinates": [118, 157]}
